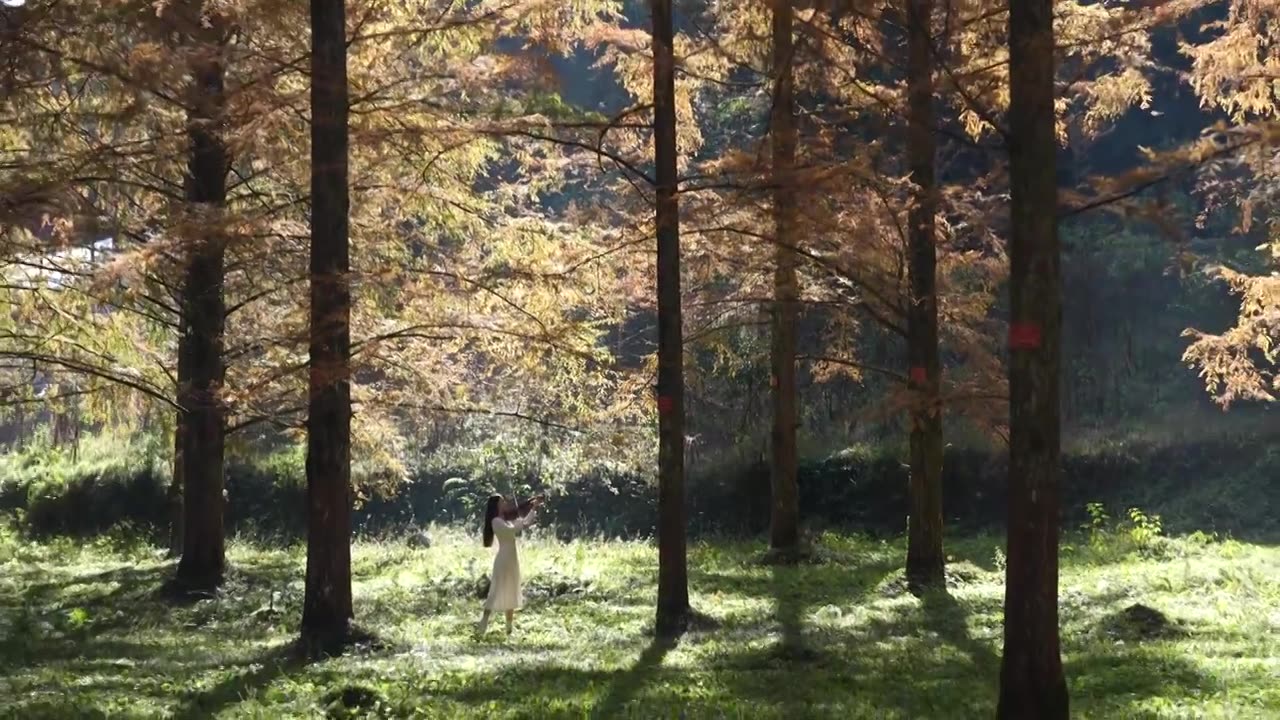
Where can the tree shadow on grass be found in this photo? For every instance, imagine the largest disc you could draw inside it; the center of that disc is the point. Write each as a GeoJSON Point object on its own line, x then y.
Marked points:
{"type": "Point", "coordinates": [88, 608]}
{"type": "Point", "coordinates": [867, 666]}
{"type": "Point", "coordinates": [792, 651]}
{"type": "Point", "coordinates": [808, 584]}
{"type": "Point", "coordinates": [801, 666]}
{"type": "Point", "coordinates": [905, 658]}
{"type": "Point", "coordinates": [789, 607]}
{"type": "Point", "coordinates": [89, 590]}
{"type": "Point", "coordinates": [628, 683]}
{"type": "Point", "coordinates": [949, 618]}
{"type": "Point", "coordinates": [875, 669]}
{"type": "Point", "coordinates": [123, 637]}
{"type": "Point", "coordinates": [603, 693]}
{"type": "Point", "coordinates": [70, 618]}
{"type": "Point", "coordinates": [1108, 680]}
{"type": "Point", "coordinates": [250, 677]}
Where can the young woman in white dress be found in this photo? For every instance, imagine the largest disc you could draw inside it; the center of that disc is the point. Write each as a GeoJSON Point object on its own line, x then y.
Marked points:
{"type": "Point", "coordinates": [502, 519]}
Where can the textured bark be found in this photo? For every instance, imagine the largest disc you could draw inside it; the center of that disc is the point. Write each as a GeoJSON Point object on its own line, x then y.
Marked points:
{"type": "Point", "coordinates": [784, 525]}
{"type": "Point", "coordinates": [203, 307]}
{"type": "Point", "coordinates": [1032, 683]}
{"type": "Point", "coordinates": [176, 509]}
{"type": "Point", "coordinates": [925, 559]}
{"type": "Point", "coordinates": [673, 573]}
{"type": "Point", "coordinates": [327, 611]}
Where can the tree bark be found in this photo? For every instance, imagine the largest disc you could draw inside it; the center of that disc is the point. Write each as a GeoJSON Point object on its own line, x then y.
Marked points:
{"type": "Point", "coordinates": [925, 559]}
{"type": "Point", "coordinates": [673, 574]}
{"type": "Point", "coordinates": [327, 610]}
{"type": "Point", "coordinates": [176, 508]}
{"type": "Point", "coordinates": [203, 544]}
{"type": "Point", "coordinates": [1032, 683]}
{"type": "Point", "coordinates": [784, 525]}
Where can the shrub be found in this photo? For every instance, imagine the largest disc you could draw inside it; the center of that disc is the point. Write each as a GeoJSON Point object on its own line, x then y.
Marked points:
{"type": "Point", "coordinates": [1224, 487]}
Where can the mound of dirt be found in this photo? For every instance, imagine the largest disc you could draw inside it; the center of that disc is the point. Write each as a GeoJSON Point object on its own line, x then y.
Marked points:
{"type": "Point", "coordinates": [1141, 622]}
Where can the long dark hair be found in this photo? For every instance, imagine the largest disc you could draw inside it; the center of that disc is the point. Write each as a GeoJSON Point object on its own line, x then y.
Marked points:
{"type": "Point", "coordinates": [490, 512]}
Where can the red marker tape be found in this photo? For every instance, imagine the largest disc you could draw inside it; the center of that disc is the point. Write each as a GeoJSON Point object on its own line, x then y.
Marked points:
{"type": "Point", "coordinates": [919, 375]}
{"type": "Point", "coordinates": [1024, 336]}
{"type": "Point", "coordinates": [665, 404]}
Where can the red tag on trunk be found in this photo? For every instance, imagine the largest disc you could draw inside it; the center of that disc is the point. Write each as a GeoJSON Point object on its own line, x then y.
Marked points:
{"type": "Point", "coordinates": [919, 375]}
{"type": "Point", "coordinates": [665, 404]}
{"type": "Point", "coordinates": [1024, 336]}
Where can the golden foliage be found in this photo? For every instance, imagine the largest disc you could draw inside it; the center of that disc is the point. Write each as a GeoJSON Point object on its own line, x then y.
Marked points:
{"type": "Point", "coordinates": [1234, 70]}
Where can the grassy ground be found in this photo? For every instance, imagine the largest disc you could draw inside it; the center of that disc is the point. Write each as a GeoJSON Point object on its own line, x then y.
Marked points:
{"type": "Point", "coordinates": [83, 633]}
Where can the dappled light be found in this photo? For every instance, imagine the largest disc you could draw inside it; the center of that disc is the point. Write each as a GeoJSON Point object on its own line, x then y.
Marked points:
{"type": "Point", "coordinates": [824, 638]}
{"type": "Point", "coordinates": [639, 359]}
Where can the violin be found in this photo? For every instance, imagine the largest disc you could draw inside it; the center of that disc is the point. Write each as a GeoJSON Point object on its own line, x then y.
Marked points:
{"type": "Point", "coordinates": [524, 507]}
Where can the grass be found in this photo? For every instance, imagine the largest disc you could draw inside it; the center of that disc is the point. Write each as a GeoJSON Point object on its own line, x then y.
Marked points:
{"type": "Point", "coordinates": [84, 633]}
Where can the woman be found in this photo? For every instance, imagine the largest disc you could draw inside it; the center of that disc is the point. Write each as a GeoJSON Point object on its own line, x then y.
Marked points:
{"type": "Point", "coordinates": [502, 519]}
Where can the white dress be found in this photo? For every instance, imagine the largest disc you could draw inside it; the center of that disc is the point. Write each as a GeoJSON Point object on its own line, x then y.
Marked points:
{"type": "Point", "coordinates": [504, 586]}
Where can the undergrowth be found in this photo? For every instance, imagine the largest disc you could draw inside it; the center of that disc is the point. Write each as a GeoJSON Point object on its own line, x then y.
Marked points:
{"type": "Point", "coordinates": [1220, 483]}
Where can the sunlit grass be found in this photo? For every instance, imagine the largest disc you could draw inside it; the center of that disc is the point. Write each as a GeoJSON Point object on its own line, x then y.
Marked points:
{"type": "Point", "coordinates": [83, 633]}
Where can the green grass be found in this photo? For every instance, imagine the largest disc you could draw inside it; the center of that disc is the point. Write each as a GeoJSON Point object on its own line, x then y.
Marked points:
{"type": "Point", "coordinates": [85, 634]}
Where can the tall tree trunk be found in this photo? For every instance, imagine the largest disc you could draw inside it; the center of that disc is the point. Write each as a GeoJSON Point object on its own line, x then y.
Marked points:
{"type": "Point", "coordinates": [176, 508]}
{"type": "Point", "coordinates": [327, 610]}
{"type": "Point", "coordinates": [673, 573]}
{"type": "Point", "coordinates": [1032, 683]}
{"type": "Point", "coordinates": [204, 311]}
{"type": "Point", "coordinates": [925, 560]}
{"type": "Point", "coordinates": [784, 525]}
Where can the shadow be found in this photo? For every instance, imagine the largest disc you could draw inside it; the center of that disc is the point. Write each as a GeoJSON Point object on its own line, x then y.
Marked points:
{"type": "Point", "coordinates": [826, 640]}
{"type": "Point", "coordinates": [812, 583]}
{"type": "Point", "coordinates": [791, 653]}
{"type": "Point", "coordinates": [257, 675]}
{"type": "Point", "coordinates": [789, 607]}
{"type": "Point", "coordinates": [138, 583]}
{"type": "Point", "coordinates": [629, 682]}
{"type": "Point", "coordinates": [1117, 681]}
{"type": "Point", "coordinates": [593, 692]}
{"type": "Point", "coordinates": [32, 653]}
{"type": "Point", "coordinates": [331, 643]}
{"type": "Point", "coordinates": [949, 618]}
{"type": "Point", "coordinates": [71, 618]}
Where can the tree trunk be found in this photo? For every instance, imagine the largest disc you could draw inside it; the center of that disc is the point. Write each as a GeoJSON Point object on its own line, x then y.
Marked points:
{"type": "Point", "coordinates": [327, 610]}
{"type": "Point", "coordinates": [1032, 684]}
{"type": "Point", "coordinates": [784, 525]}
{"type": "Point", "coordinates": [925, 560]}
{"type": "Point", "coordinates": [673, 574]}
{"type": "Point", "coordinates": [176, 508]}
{"type": "Point", "coordinates": [204, 545]}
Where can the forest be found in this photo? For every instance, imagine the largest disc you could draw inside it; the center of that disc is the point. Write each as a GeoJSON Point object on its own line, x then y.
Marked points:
{"type": "Point", "coordinates": [822, 358]}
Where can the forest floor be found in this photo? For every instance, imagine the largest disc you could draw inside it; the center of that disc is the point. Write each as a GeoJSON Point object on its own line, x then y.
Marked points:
{"type": "Point", "coordinates": [84, 633]}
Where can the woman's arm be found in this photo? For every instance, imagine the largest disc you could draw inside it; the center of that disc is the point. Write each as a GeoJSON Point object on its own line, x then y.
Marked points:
{"type": "Point", "coordinates": [529, 519]}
